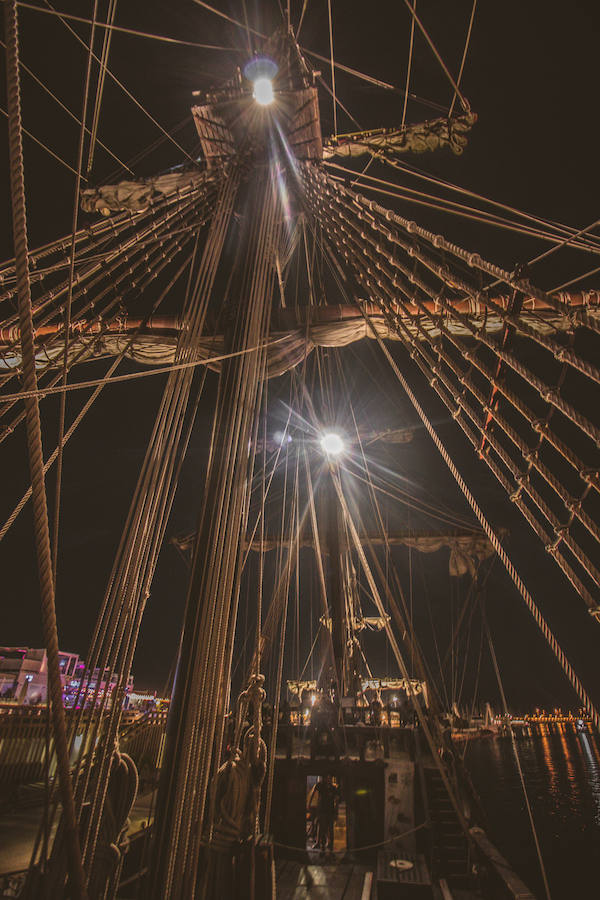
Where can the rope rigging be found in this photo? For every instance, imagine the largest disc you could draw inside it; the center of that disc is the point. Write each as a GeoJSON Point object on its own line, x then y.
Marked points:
{"type": "Point", "coordinates": [34, 447]}
{"type": "Point", "coordinates": [360, 243]}
{"type": "Point", "coordinates": [434, 50]}
{"type": "Point", "coordinates": [534, 832]}
{"type": "Point", "coordinates": [116, 634]}
{"type": "Point", "coordinates": [269, 234]}
{"type": "Point", "coordinates": [42, 145]}
{"type": "Point", "coordinates": [94, 273]}
{"type": "Point", "coordinates": [69, 300]}
{"type": "Point", "coordinates": [121, 86]}
{"type": "Point", "coordinates": [111, 27]}
{"type": "Point", "coordinates": [497, 546]}
{"type": "Point", "coordinates": [548, 232]}
{"type": "Point", "coordinates": [160, 256]}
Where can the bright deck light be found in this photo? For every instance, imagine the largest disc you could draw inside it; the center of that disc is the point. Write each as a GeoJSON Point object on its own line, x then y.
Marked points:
{"type": "Point", "coordinates": [332, 444]}
{"type": "Point", "coordinates": [261, 71]}
{"type": "Point", "coordinates": [263, 91]}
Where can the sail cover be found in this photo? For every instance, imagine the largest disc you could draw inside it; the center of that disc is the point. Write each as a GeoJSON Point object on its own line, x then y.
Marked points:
{"type": "Point", "coordinates": [137, 195]}
{"type": "Point", "coordinates": [420, 138]}
{"type": "Point", "coordinates": [468, 549]}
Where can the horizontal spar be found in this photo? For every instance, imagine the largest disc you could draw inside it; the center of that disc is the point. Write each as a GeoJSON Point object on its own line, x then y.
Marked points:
{"type": "Point", "coordinates": [298, 332]}
{"type": "Point", "coordinates": [287, 318]}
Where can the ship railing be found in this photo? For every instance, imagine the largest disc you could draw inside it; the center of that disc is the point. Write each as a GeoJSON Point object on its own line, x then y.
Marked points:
{"type": "Point", "coordinates": [502, 882]}
{"type": "Point", "coordinates": [25, 745]}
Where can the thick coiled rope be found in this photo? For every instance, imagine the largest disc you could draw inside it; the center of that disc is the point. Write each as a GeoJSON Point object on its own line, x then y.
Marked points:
{"type": "Point", "coordinates": [34, 444]}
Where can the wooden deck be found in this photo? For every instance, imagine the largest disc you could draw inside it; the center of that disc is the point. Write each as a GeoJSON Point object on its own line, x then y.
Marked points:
{"type": "Point", "coordinates": [301, 881]}
{"type": "Point", "coordinates": [393, 882]}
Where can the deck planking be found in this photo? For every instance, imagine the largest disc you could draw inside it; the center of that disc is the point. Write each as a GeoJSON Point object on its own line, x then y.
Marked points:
{"type": "Point", "coordinates": [304, 881]}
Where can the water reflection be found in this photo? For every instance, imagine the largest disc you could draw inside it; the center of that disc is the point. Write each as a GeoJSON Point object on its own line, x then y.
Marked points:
{"type": "Point", "coordinates": [561, 768]}
{"type": "Point", "coordinates": [549, 759]}
{"type": "Point", "coordinates": [593, 772]}
{"type": "Point", "coordinates": [567, 755]}
{"type": "Point", "coordinates": [594, 741]}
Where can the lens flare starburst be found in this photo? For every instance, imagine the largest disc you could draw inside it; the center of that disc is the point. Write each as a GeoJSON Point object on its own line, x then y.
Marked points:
{"type": "Point", "coordinates": [332, 444]}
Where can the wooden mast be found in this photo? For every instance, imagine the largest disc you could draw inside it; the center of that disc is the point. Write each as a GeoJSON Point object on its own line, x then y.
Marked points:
{"type": "Point", "coordinates": [203, 676]}
{"type": "Point", "coordinates": [337, 592]}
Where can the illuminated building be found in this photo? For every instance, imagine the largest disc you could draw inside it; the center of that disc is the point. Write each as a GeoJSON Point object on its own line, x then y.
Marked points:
{"type": "Point", "coordinates": [24, 672]}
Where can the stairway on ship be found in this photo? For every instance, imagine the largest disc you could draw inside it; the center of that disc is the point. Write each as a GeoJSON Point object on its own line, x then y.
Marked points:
{"type": "Point", "coordinates": [451, 859]}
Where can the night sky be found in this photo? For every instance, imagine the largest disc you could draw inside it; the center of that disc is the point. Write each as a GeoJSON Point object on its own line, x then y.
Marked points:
{"type": "Point", "coordinates": [530, 76]}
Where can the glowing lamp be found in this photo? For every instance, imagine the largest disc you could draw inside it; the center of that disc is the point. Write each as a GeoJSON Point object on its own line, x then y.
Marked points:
{"type": "Point", "coordinates": [263, 91]}
{"type": "Point", "coordinates": [261, 71]}
{"type": "Point", "coordinates": [332, 444]}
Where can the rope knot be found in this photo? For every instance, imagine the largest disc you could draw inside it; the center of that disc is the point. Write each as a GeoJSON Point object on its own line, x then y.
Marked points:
{"type": "Point", "coordinates": [590, 476]}
{"type": "Point", "coordinates": [552, 546]}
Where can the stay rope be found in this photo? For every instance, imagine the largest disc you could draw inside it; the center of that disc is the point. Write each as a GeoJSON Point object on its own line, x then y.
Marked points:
{"type": "Point", "coordinates": [517, 756]}
{"type": "Point", "coordinates": [69, 301]}
{"type": "Point", "coordinates": [34, 446]}
{"type": "Point", "coordinates": [492, 536]}
{"type": "Point", "coordinates": [365, 254]}
{"type": "Point", "coordinates": [464, 56]}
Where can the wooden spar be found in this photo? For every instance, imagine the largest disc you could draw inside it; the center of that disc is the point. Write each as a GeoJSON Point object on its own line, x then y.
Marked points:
{"type": "Point", "coordinates": [469, 537]}
{"type": "Point", "coordinates": [288, 319]}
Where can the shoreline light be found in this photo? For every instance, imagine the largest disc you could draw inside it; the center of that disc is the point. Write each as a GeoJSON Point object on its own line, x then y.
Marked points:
{"type": "Point", "coordinates": [332, 444]}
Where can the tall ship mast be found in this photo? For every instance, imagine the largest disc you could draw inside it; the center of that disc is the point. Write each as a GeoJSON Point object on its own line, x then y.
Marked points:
{"type": "Point", "coordinates": [239, 279]}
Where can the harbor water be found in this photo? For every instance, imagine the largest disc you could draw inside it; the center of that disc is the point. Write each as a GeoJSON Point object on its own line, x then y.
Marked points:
{"type": "Point", "coordinates": [561, 769]}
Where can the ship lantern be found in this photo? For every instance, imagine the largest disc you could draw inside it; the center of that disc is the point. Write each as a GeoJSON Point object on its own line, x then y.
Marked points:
{"type": "Point", "coordinates": [261, 71]}
{"type": "Point", "coordinates": [332, 444]}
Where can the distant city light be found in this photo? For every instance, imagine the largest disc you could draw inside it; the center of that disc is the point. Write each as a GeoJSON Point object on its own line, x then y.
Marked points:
{"type": "Point", "coordinates": [332, 444]}
{"type": "Point", "coordinates": [263, 91]}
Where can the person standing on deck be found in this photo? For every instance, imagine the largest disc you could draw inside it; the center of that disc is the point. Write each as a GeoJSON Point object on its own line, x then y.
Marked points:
{"type": "Point", "coordinates": [328, 796]}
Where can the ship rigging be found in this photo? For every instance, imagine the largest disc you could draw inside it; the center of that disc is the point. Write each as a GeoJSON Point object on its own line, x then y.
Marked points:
{"type": "Point", "coordinates": [239, 273]}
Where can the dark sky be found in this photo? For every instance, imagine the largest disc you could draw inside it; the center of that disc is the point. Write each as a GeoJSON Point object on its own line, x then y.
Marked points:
{"type": "Point", "coordinates": [530, 77]}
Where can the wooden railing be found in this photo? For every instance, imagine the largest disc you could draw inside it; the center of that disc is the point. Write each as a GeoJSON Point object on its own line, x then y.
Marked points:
{"type": "Point", "coordinates": [26, 742]}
